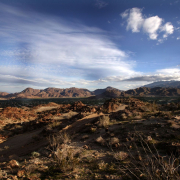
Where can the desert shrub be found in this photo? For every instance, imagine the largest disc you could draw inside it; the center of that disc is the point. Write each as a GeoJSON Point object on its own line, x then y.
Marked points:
{"type": "Point", "coordinates": [144, 162]}
{"type": "Point", "coordinates": [104, 121]}
{"type": "Point", "coordinates": [64, 154]}
{"type": "Point", "coordinates": [102, 165]}
{"type": "Point", "coordinates": [100, 140]}
{"type": "Point", "coordinates": [121, 155]}
{"type": "Point", "coordinates": [66, 158]}
{"type": "Point", "coordinates": [57, 140]}
{"type": "Point", "coordinates": [113, 141]}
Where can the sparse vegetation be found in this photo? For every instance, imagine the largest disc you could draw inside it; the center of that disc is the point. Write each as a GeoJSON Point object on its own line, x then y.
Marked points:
{"type": "Point", "coordinates": [145, 162]}
{"type": "Point", "coordinates": [139, 141]}
{"type": "Point", "coordinates": [104, 121]}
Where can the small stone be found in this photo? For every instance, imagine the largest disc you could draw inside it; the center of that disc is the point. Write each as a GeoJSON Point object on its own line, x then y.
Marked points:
{"type": "Point", "coordinates": [14, 164]}
{"type": "Point", "coordinates": [85, 147]}
{"type": "Point", "coordinates": [149, 138]}
{"type": "Point", "coordinates": [50, 155]}
{"type": "Point", "coordinates": [140, 158]}
{"type": "Point", "coordinates": [85, 137]}
{"type": "Point", "coordinates": [21, 173]}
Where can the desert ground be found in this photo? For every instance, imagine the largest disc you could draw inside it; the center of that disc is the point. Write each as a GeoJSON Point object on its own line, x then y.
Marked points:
{"type": "Point", "coordinates": [124, 138]}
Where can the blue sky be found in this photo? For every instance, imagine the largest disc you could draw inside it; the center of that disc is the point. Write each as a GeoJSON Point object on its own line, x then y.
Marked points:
{"type": "Point", "coordinates": [88, 43]}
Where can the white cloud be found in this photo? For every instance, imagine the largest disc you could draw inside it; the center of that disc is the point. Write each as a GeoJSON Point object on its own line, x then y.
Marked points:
{"type": "Point", "coordinates": [178, 38]}
{"type": "Point", "coordinates": [55, 52]}
{"type": "Point", "coordinates": [135, 20]}
{"type": "Point", "coordinates": [101, 4]}
{"type": "Point", "coordinates": [125, 13]}
{"type": "Point", "coordinates": [52, 52]}
{"type": "Point", "coordinates": [170, 71]}
{"type": "Point", "coordinates": [168, 29]}
{"type": "Point", "coordinates": [152, 25]}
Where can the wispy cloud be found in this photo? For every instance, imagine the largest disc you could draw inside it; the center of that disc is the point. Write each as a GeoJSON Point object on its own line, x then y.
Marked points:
{"type": "Point", "coordinates": [100, 4]}
{"type": "Point", "coordinates": [48, 51]}
{"type": "Point", "coordinates": [153, 26]}
{"type": "Point", "coordinates": [42, 47]}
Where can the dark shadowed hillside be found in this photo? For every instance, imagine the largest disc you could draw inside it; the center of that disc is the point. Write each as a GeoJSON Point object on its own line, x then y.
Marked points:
{"type": "Point", "coordinates": [109, 88]}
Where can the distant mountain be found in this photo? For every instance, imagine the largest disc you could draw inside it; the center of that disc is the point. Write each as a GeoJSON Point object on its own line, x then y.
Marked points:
{"type": "Point", "coordinates": [164, 84]}
{"type": "Point", "coordinates": [48, 93]}
{"type": "Point", "coordinates": [2, 94]}
{"type": "Point", "coordinates": [108, 92]}
{"type": "Point", "coordinates": [59, 93]}
{"type": "Point", "coordinates": [142, 91]}
{"type": "Point", "coordinates": [157, 91]}
{"type": "Point", "coordinates": [109, 88]}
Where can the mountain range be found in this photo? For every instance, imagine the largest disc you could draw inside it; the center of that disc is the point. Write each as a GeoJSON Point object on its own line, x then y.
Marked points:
{"type": "Point", "coordinates": [108, 92]}
{"type": "Point", "coordinates": [55, 93]}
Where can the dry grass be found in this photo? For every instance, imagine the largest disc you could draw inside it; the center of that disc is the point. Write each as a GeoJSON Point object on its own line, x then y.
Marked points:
{"type": "Point", "coordinates": [66, 158]}
{"type": "Point", "coordinates": [65, 155]}
{"type": "Point", "coordinates": [146, 163]}
{"type": "Point", "coordinates": [104, 121]}
{"type": "Point", "coordinates": [121, 155]}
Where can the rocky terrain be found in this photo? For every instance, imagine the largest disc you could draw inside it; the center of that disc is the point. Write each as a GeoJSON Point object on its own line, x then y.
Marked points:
{"type": "Point", "coordinates": [124, 138]}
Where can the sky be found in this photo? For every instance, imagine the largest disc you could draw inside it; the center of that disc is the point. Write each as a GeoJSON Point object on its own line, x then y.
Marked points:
{"type": "Point", "coordinates": [88, 43]}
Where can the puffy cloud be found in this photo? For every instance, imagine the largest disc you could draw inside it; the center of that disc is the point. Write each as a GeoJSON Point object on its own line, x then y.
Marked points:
{"type": "Point", "coordinates": [151, 25]}
{"type": "Point", "coordinates": [168, 29]}
{"type": "Point", "coordinates": [135, 19]}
